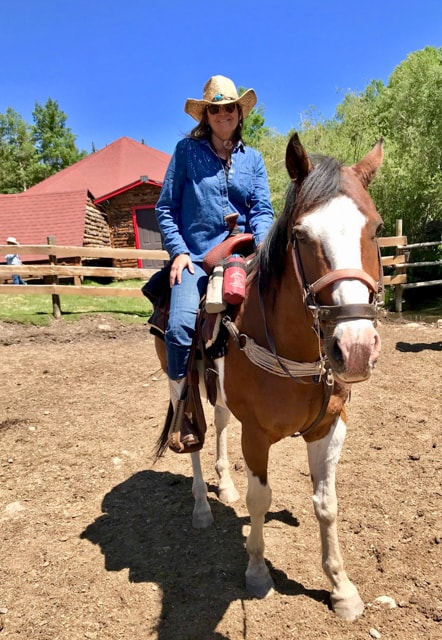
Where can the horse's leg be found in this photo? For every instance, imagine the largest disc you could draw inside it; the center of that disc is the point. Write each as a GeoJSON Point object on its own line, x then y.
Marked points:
{"type": "Point", "coordinates": [226, 491]}
{"type": "Point", "coordinates": [202, 514]}
{"type": "Point", "coordinates": [323, 456]}
{"type": "Point", "coordinates": [259, 498]}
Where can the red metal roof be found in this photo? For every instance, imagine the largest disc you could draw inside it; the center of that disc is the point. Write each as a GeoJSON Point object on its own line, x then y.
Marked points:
{"type": "Point", "coordinates": [114, 168]}
{"type": "Point", "coordinates": [31, 218]}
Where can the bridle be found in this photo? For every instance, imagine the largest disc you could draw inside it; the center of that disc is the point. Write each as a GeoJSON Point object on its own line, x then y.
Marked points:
{"type": "Point", "coordinates": [327, 316]}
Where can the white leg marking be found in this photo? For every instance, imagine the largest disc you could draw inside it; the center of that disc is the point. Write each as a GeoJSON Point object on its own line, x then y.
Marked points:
{"type": "Point", "coordinates": [259, 498]}
{"type": "Point", "coordinates": [227, 491]}
{"type": "Point", "coordinates": [202, 515]}
{"type": "Point", "coordinates": [323, 456]}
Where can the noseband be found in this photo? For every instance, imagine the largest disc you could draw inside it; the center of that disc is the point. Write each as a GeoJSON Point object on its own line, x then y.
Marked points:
{"type": "Point", "coordinates": [330, 315]}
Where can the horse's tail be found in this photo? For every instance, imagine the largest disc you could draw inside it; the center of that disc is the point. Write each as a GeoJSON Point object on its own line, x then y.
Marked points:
{"type": "Point", "coordinates": [162, 442]}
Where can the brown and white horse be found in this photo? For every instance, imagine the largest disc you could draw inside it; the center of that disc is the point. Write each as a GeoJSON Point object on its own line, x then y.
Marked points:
{"type": "Point", "coordinates": [303, 335]}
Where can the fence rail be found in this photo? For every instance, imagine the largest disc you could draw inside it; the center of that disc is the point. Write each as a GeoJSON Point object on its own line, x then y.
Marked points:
{"type": "Point", "coordinates": [68, 271]}
{"type": "Point", "coordinates": [53, 272]}
{"type": "Point", "coordinates": [401, 262]}
{"type": "Point", "coordinates": [85, 252]}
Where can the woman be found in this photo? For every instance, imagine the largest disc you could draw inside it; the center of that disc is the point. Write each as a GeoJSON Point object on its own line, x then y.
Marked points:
{"type": "Point", "coordinates": [212, 174]}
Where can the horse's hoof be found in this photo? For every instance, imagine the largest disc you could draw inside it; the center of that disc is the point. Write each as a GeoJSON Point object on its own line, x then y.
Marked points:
{"type": "Point", "coordinates": [349, 608]}
{"type": "Point", "coordinates": [261, 587]}
{"type": "Point", "coordinates": [202, 519]}
{"type": "Point", "coordinates": [228, 495]}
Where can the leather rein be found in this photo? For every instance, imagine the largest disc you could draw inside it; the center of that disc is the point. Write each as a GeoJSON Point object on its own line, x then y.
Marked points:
{"type": "Point", "coordinates": [324, 316]}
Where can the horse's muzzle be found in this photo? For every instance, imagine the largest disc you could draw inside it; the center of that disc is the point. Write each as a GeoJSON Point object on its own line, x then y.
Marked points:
{"type": "Point", "coordinates": [353, 350]}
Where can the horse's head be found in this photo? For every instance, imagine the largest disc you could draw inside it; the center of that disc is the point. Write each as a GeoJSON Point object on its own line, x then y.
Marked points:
{"type": "Point", "coordinates": [334, 227]}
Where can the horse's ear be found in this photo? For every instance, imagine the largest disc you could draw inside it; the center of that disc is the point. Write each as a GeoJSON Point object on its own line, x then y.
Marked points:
{"type": "Point", "coordinates": [296, 160]}
{"type": "Point", "coordinates": [366, 168]}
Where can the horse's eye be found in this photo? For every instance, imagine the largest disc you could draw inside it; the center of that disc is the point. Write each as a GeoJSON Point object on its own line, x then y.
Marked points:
{"type": "Point", "coordinates": [300, 236]}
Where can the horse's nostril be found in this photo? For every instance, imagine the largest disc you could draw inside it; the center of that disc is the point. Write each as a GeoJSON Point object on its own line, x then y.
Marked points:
{"type": "Point", "coordinates": [335, 352]}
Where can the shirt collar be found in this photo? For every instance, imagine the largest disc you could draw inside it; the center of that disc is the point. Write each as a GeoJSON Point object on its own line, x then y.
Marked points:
{"type": "Point", "coordinates": [238, 147]}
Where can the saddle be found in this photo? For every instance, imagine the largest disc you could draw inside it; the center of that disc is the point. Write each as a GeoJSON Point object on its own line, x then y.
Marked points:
{"type": "Point", "coordinates": [209, 343]}
{"type": "Point", "coordinates": [157, 289]}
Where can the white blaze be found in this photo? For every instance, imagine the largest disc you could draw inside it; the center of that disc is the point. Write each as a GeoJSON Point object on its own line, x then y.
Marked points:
{"type": "Point", "coordinates": [338, 227]}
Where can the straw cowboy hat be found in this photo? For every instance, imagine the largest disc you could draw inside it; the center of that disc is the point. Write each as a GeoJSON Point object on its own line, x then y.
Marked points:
{"type": "Point", "coordinates": [220, 90]}
{"type": "Point", "coordinates": [11, 240]}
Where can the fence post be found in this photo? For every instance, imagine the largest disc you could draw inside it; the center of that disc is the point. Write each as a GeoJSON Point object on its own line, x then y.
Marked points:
{"type": "Point", "coordinates": [398, 287]}
{"type": "Point", "coordinates": [56, 307]}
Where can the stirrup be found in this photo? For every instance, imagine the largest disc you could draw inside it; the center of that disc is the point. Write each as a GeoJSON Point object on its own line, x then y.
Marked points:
{"type": "Point", "coordinates": [183, 437]}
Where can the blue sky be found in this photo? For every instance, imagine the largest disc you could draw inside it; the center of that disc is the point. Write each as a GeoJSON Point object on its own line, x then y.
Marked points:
{"type": "Point", "coordinates": [126, 68]}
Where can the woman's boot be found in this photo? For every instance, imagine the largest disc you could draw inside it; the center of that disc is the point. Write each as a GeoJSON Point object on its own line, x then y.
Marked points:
{"type": "Point", "coordinates": [181, 434]}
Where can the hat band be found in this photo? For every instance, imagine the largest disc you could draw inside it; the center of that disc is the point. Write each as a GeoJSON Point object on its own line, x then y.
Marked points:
{"type": "Point", "coordinates": [220, 96]}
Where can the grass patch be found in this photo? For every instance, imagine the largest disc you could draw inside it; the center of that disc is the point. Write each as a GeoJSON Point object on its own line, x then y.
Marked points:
{"type": "Point", "coordinates": [36, 309]}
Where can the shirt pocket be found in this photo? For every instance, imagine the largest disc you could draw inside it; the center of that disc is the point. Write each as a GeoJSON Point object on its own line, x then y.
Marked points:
{"type": "Point", "coordinates": [244, 184]}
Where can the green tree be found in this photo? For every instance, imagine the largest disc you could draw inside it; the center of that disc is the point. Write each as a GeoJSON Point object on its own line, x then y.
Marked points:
{"type": "Point", "coordinates": [410, 113]}
{"type": "Point", "coordinates": [353, 130]}
{"type": "Point", "coordinates": [407, 113]}
{"type": "Point", "coordinates": [254, 125]}
{"type": "Point", "coordinates": [18, 158]}
{"type": "Point", "coordinates": [53, 140]}
{"type": "Point", "coordinates": [272, 147]}
{"type": "Point", "coordinates": [30, 153]}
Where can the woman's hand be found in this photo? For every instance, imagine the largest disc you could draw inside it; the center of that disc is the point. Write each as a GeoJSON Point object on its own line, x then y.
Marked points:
{"type": "Point", "coordinates": [180, 262]}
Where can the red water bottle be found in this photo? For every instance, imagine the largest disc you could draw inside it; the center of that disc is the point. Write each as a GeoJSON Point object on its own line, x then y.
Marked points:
{"type": "Point", "coordinates": [234, 282]}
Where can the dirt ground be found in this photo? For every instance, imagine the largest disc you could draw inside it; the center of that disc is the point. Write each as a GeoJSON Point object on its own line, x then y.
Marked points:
{"type": "Point", "coordinates": [96, 541]}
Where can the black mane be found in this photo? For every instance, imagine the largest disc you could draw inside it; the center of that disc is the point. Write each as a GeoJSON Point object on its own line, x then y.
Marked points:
{"type": "Point", "coordinates": [322, 184]}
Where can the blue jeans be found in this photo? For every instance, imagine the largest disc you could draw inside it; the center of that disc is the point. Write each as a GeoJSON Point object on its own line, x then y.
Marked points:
{"type": "Point", "coordinates": [184, 303]}
{"type": "Point", "coordinates": [16, 279]}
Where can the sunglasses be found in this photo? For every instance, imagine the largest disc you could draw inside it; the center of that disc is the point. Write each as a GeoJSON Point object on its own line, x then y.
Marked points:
{"type": "Point", "coordinates": [213, 109]}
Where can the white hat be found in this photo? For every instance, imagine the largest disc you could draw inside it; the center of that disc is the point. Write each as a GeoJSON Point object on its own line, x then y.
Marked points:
{"type": "Point", "coordinates": [220, 90]}
{"type": "Point", "coordinates": [11, 240]}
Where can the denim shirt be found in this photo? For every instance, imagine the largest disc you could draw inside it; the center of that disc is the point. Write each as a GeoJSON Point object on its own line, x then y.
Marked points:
{"type": "Point", "coordinates": [197, 194]}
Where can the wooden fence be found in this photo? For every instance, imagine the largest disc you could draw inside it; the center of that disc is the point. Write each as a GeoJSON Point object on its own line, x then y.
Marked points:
{"type": "Point", "coordinates": [400, 262]}
{"type": "Point", "coordinates": [55, 271]}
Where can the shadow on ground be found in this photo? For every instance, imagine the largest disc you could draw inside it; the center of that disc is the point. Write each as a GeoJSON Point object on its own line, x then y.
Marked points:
{"type": "Point", "coordinates": [418, 346]}
{"type": "Point", "coordinates": [146, 528]}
